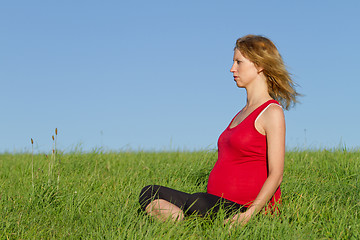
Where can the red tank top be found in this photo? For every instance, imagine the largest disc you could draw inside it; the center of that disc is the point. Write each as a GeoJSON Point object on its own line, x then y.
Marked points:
{"type": "Point", "coordinates": [241, 168]}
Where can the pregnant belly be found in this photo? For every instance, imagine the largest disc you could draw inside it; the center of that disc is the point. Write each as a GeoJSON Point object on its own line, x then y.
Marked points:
{"type": "Point", "coordinates": [240, 183]}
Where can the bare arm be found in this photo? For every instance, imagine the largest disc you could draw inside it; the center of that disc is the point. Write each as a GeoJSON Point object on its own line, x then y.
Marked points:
{"type": "Point", "coordinates": [273, 123]}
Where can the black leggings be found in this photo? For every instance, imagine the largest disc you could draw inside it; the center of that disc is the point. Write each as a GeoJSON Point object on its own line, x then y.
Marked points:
{"type": "Point", "coordinates": [197, 203]}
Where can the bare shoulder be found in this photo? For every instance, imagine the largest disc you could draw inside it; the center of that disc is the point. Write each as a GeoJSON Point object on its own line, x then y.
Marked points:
{"type": "Point", "coordinates": [273, 111]}
{"type": "Point", "coordinates": [273, 116]}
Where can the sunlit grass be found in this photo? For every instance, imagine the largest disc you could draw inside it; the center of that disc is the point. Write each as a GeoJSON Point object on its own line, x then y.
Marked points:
{"type": "Point", "coordinates": [97, 196]}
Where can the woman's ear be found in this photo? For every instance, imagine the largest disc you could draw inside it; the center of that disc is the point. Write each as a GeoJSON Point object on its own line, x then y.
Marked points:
{"type": "Point", "coordinates": [260, 69]}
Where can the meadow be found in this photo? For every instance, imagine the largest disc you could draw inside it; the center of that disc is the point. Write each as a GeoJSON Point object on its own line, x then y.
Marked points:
{"type": "Point", "coordinates": [95, 196]}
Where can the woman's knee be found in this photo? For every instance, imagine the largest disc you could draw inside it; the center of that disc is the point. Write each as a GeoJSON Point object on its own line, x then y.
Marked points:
{"type": "Point", "coordinates": [199, 203]}
{"type": "Point", "coordinates": [148, 194]}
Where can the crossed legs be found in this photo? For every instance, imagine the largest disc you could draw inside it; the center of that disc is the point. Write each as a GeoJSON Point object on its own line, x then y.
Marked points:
{"type": "Point", "coordinates": [165, 203]}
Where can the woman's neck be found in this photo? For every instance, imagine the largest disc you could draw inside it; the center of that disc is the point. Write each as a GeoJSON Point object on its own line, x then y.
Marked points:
{"type": "Point", "coordinates": [257, 94]}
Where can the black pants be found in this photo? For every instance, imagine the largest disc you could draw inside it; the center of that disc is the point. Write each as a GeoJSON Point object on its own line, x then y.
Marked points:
{"type": "Point", "coordinates": [197, 203]}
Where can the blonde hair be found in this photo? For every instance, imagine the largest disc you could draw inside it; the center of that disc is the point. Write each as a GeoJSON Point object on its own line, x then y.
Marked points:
{"type": "Point", "coordinates": [263, 53]}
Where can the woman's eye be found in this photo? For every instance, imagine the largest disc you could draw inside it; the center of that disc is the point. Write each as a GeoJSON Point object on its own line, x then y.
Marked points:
{"type": "Point", "coordinates": [238, 62]}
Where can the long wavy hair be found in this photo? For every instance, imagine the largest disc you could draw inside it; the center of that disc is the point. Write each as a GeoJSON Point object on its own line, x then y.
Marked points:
{"type": "Point", "coordinates": [263, 53]}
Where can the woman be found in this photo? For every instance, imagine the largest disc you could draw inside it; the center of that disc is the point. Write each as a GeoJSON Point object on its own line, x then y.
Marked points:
{"type": "Point", "coordinates": [247, 175]}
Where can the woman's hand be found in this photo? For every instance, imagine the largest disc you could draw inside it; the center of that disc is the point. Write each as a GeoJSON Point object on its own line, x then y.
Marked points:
{"type": "Point", "coordinates": [240, 218]}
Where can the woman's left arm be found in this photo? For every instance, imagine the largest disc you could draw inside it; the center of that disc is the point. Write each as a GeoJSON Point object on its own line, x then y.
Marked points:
{"type": "Point", "coordinates": [273, 123]}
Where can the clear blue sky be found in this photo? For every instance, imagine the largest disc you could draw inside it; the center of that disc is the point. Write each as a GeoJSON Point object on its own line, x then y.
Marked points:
{"type": "Point", "coordinates": [154, 75]}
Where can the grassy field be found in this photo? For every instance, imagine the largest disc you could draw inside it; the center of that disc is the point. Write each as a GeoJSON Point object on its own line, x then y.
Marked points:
{"type": "Point", "coordinates": [95, 196]}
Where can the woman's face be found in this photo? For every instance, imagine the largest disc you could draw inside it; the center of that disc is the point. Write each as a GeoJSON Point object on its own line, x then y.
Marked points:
{"type": "Point", "coordinates": [244, 71]}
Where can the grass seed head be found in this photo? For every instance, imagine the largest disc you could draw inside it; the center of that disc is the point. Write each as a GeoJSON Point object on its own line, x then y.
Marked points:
{"type": "Point", "coordinates": [56, 131]}
{"type": "Point", "coordinates": [32, 141]}
{"type": "Point", "coordinates": [53, 137]}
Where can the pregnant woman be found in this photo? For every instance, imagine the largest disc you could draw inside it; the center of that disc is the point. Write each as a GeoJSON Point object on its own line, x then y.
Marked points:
{"type": "Point", "coordinates": [247, 175]}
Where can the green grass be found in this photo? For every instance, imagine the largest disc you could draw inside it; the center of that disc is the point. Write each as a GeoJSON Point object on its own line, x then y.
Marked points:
{"type": "Point", "coordinates": [95, 196]}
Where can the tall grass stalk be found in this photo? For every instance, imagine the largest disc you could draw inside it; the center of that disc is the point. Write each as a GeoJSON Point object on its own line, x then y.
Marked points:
{"type": "Point", "coordinates": [55, 153]}
{"type": "Point", "coordinates": [56, 134]}
{"type": "Point", "coordinates": [32, 165]}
